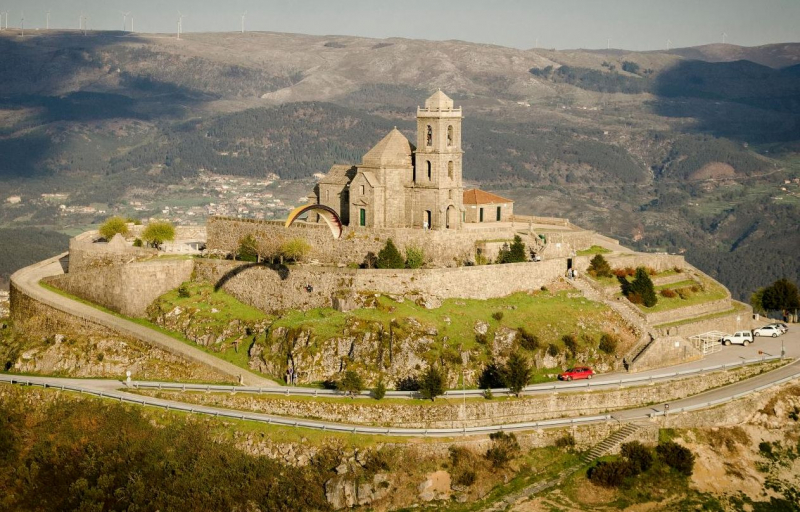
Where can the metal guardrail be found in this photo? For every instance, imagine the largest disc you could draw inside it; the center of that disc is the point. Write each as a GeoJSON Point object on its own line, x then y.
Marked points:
{"type": "Point", "coordinates": [452, 393]}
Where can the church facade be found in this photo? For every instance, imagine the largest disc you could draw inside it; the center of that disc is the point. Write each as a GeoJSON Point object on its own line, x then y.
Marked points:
{"type": "Point", "coordinates": [402, 185]}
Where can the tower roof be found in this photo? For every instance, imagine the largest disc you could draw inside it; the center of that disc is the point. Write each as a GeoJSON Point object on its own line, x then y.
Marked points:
{"type": "Point", "coordinates": [392, 150]}
{"type": "Point", "coordinates": [439, 101]}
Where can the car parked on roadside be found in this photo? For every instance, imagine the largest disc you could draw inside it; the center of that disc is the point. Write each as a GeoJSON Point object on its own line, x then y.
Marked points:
{"type": "Point", "coordinates": [579, 372]}
{"type": "Point", "coordinates": [768, 330]}
{"type": "Point", "coordinates": [738, 338]}
{"type": "Point", "coordinates": [780, 325]}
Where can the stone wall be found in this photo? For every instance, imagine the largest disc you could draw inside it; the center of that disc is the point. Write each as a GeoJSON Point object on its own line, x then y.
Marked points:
{"type": "Point", "coordinates": [678, 314]}
{"type": "Point", "coordinates": [443, 248]}
{"type": "Point", "coordinates": [726, 323]}
{"type": "Point", "coordinates": [450, 413]}
{"type": "Point", "coordinates": [128, 288]}
{"type": "Point", "coordinates": [85, 254]}
{"type": "Point", "coordinates": [665, 351]}
{"type": "Point", "coordinates": [274, 289]}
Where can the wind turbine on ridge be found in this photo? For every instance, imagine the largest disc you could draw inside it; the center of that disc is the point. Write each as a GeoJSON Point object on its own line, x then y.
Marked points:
{"type": "Point", "coordinates": [180, 23]}
{"type": "Point", "coordinates": [22, 23]}
{"type": "Point", "coordinates": [47, 17]}
{"type": "Point", "coordinates": [243, 15]}
{"type": "Point", "coordinates": [669, 45]}
{"type": "Point", "coordinates": [124, 19]}
{"type": "Point", "coordinates": [724, 36]}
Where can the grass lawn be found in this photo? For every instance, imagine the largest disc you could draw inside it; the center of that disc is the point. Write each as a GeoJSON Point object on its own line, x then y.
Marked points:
{"type": "Point", "coordinates": [710, 291]}
{"type": "Point", "coordinates": [609, 281]}
{"type": "Point", "coordinates": [547, 314]}
{"type": "Point", "coordinates": [239, 358]}
{"type": "Point", "coordinates": [595, 249]}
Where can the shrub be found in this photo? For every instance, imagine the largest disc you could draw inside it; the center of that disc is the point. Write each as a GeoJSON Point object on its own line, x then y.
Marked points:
{"type": "Point", "coordinates": [566, 441]}
{"type": "Point", "coordinates": [408, 384]}
{"type": "Point", "coordinates": [641, 288]}
{"type": "Point", "coordinates": [183, 291]}
{"type": "Point", "coordinates": [571, 343]}
{"type": "Point", "coordinates": [528, 340]}
{"type": "Point", "coordinates": [515, 253]}
{"type": "Point", "coordinates": [465, 477]}
{"type": "Point", "coordinates": [463, 461]}
{"type": "Point", "coordinates": [100, 357]}
{"type": "Point", "coordinates": [695, 288]}
{"type": "Point", "coordinates": [552, 350]}
{"type": "Point", "coordinates": [138, 242]}
{"type": "Point", "coordinates": [504, 448]}
{"type": "Point", "coordinates": [650, 271]}
{"type": "Point", "coordinates": [609, 473]}
{"type": "Point", "coordinates": [481, 338]}
{"type": "Point", "coordinates": [158, 232]}
{"type": "Point", "coordinates": [295, 249]}
{"type": "Point", "coordinates": [599, 267]}
{"type": "Point", "coordinates": [491, 377]}
{"type": "Point", "coordinates": [668, 293]}
{"type": "Point", "coordinates": [516, 373]}
{"type": "Point", "coordinates": [431, 384]}
{"type": "Point", "coordinates": [676, 456]}
{"type": "Point", "coordinates": [635, 298]}
{"type": "Point", "coordinates": [390, 257]}
{"type": "Point", "coordinates": [487, 394]}
{"type": "Point", "coordinates": [248, 248]}
{"type": "Point", "coordinates": [630, 67]}
{"type": "Point", "coordinates": [677, 270]}
{"type": "Point", "coordinates": [351, 383]}
{"type": "Point", "coordinates": [497, 315]}
{"type": "Point", "coordinates": [380, 390]}
{"type": "Point", "coordinates": [415, 257]}
{"type": "Point", "coordinates": [112, 226]}
{"type": "Point", "coordinates": [684, 293]}
{"type": "Point", "coordinates": [620, 273]}
{"type": "Point", "coordinates": [608, 343]}
{"type": "Point", "coordinates": [638, 456]}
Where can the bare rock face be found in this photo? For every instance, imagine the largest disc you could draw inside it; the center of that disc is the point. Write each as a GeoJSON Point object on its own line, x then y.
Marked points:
{"type": "Point", "coordinates": [435, 487]}
{"type": "Point", "coordinates": [504, 339]}
{"type": "Point", "coordinates": [342, 491]}
{"type": "Point", "coordinates": [481, 327]}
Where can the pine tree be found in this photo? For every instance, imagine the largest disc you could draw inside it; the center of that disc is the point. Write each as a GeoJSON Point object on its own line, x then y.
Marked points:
{"type": "Point", "coordinates": [517, 373]}
{"type": "Point", "coordinates": [432, 383]}
{"type": "Point", "coordinates": [390, 257]}
{"type": "Point", "coordinates": [642, 285]}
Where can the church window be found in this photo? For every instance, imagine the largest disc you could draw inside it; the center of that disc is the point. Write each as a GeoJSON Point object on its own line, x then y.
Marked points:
{"type": "Point", "coordinates": [429, 170]}
{"type": "Point", "coordinates": [327, 195]}
{"type": "Point", "coordinates": [362, 190]}
{"type": "Point", "coordinates": [429, 136]}
{"type": "Point", "coordinates": [450, 135]}
{"type": "Point", "coordinates": [450, 169]}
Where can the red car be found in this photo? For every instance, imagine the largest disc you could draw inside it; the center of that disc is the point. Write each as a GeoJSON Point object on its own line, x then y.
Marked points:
{"type": "Point", "coordinates": [579, 372]}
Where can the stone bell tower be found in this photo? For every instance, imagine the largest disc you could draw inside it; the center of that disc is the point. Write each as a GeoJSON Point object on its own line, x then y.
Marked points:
{"type": "Point", "coordinates": [437, 187]}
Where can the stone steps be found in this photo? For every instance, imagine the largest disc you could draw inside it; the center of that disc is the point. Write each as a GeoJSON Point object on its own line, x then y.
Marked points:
{"type": "Point", "coordinates": [610, 443]}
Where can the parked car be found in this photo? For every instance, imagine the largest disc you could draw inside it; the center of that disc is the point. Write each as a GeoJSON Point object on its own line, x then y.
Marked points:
{"type": "Point", "coordinates": [738, 338]}
{"type": "Point", "coordinates": [579, 372]}
{"type": "Point", "coordinates": [780, 325]}
{"type": "Point", "coordinates": [768, 330]}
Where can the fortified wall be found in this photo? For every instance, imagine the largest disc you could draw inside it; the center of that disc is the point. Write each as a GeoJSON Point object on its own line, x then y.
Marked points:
{"type": "Point", "coordinates": [447, 248]}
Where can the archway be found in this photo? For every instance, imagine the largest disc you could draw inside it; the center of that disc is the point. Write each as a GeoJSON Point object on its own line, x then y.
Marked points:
{"type": "Point", "coordinates": [450, 218]}
{"type": "Point", "coordinates": [328, 214]}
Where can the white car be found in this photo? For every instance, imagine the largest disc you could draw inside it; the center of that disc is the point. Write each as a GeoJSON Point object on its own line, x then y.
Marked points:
{"type": "Point", "coordinates": [768, 330]}
{"type": "Point", "coordinates": [738, 338]}
{"type": "Point", "coordinates": [783, 327]}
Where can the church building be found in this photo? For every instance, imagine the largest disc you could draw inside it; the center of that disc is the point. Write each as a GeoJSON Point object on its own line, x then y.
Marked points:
{"type": "Point", "coordinates": [400, 185]}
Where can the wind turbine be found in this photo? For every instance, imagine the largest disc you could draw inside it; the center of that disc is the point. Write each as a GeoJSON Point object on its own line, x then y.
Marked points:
{"type": "Point", "coordinates": [47, 25]}
{"type": "Point", "coordinates": [22, 23]}
{"type": "Point", "coordinates": [724, 36]}
{"type": "Point", "coordinates": [131, 22]}
{"type": "Point", "coordinates": [180, 24]}
{"type": "Point", "coordinates": [85, 24]}
{"type": "Point", "coordinates": [243, 15]}
{"type": "Point", "coordinates": [124, 18]}
{"type": "Point", "coordinates": [669, 45]}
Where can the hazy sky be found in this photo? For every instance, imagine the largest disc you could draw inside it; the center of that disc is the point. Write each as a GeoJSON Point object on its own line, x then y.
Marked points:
{"type": "Point", "coordinates": [631, 24]}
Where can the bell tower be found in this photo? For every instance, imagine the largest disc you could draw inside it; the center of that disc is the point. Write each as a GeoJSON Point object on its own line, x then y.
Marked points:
{"type": "Point", "coordinates": [438, 197]}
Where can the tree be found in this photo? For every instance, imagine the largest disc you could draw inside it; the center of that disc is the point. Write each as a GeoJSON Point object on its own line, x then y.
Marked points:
{"type": "Point", "coordinates": [599, 267]}
{"type": "Point", "coordinates": [491, 377]}
{"type": "Point", "coordinates": [432, 383]}
{"type": "Point", "coordinates": [640, 288]}
{"type": "Point", "coordinates": [517, 373]}
{"type": "Point", "coordinates": [630, 67]}
{"type": "Point", "coordinates": [390, 257]}
{"type": "Point", "coordinates": [112, 226]}
{"type": "Point", "coordinates": [158, 232]}
{"type": "Point", "coordinates": [380, 390]}
{"type": "Point", "coordinates": [295, 249]}
{"type": "Point", "coordinates": [757, 301]}
{"type": "Point", "coordinates": [415, 257]}
{"type": "Point", "coordinates": [676, 456]}
{"type": "Point", "coordinates": [782, 295]}
{"type": "Point", "coordinates": [351, 383]}
{"type": "Point", "coordinates": [248, 249]}
{"type": "Point", "coordinates": [517, 254]}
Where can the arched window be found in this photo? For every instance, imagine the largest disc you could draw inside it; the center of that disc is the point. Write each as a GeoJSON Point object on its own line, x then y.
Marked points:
{"type": "Point", "coordinates": [429, 170]}
{"type": "Point", "coordinates": [450, 169]}
{"type": "Point", "coordinates": [362, 190]}
{"type": "Point", "coordinates": [327, 195]}
{"type": "Point", "coordinates": [450, 135]}
{"type": "Point", "coordinates": [429, 136]}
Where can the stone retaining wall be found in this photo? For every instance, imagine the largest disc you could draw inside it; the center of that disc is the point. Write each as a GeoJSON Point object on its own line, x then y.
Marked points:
{"type": "Point", "coordinates": [275, 289]}
{"type": "Point", "coordinates": [128, 288]}
{"type": "Point", "coordinates": [451, 413]}
{"type": "Point", "coordinates": [664, 352]}
{"type": "Point", "coordinates": [727, 323]}
{"type": "Point", "coordinates": [678, 314]}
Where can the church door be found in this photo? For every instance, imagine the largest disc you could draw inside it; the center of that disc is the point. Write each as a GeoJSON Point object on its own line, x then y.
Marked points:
{"type": "Point", "coordinates": [427, 218]}
{"type": "Point", "coordinates": [362, 217]}
{"type": "Point", "coordinates": [450, 217]}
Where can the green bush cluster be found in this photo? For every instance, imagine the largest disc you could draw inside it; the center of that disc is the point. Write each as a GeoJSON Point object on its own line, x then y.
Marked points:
{"type": "Point", "coordinates": [599, 267]}
{"type": "Point", "coordinates": [112, 226]}
{"type": "Point", "coordinates": [640, 290]}
{"type": "Point", "coordinates": [528, 340]}
{"type": "Point", "coordinates": [676, 456]}
{"type": "Point", "coordinates": [504, 448]}
{"type": "Point", "coordinates": [608, 343]}
{"type": "Point", "coordinates": [390, 257]}
{"type": "Point", "coordinates": [515, 253]}
{"type": "Point", "coordinates": [635, 459]}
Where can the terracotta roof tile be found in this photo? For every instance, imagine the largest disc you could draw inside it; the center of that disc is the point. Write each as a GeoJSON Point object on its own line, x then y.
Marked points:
{"type": "Point", "coordinates": [478, 196]}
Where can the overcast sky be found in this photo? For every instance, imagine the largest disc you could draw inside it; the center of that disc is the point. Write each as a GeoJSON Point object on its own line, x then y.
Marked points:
{"type": "Point", "coordinates": [631, 24]}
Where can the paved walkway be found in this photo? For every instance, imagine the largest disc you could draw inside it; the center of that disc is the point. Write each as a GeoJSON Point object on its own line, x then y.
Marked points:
{"type": "Point", "coordinates": [27, 280]}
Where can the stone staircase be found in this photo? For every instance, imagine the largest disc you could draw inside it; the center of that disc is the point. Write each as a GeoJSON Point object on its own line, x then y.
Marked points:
{"type": "Point", "coordinates": [610, 443]}
{"type": "Point", "coordinates": [625, 310]}
{"type": "Point", "coordinates": [606, 446]}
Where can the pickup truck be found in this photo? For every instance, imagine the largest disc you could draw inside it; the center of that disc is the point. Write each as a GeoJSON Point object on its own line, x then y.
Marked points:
{"type": "Point", "coordinates": [738, 338]}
